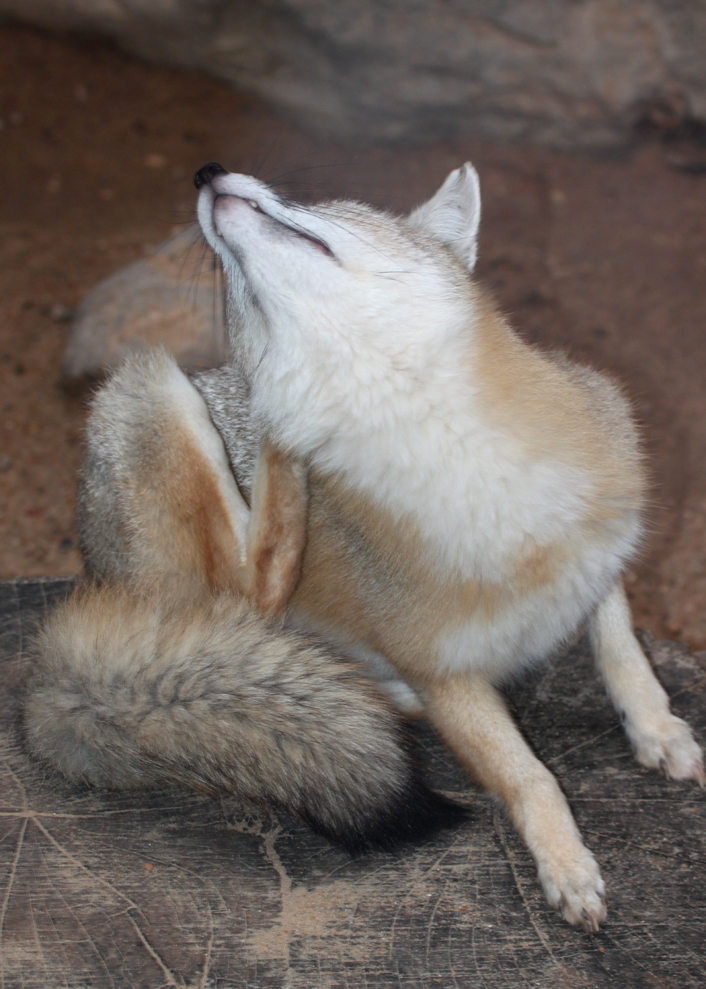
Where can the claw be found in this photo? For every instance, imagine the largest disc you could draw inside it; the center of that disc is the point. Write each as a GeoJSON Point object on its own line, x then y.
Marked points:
{"type": "Point", "coordinates": [671, 749]}
{"type": "Point", "coordinates": [590, 924]}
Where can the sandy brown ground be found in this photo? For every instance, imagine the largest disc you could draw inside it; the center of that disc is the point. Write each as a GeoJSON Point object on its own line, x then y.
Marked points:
{"type": "Point", "coordinates": [606, 258]}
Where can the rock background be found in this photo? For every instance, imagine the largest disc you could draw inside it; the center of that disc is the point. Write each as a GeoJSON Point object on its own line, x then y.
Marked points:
{"type": "Point", "coordinates": [566, 73]}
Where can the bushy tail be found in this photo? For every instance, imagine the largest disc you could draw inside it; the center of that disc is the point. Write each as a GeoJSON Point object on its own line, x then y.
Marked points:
{"type": "Point", "coordinates": [132, 691]}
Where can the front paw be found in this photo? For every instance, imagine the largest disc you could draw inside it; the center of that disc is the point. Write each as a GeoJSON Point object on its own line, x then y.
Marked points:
{"type": "Point", "coordinates": [669, 747]}
{"type": "Point", "coordinates": [575, 888]}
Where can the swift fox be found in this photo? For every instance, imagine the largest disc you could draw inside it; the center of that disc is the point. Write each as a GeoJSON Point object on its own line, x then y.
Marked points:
{"type": "Point", "coordinates": [399, 473]}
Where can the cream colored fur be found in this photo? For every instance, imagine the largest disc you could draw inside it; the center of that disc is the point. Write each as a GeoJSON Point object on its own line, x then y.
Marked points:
{"type": "Point", "coordinates": [471, 501]}
{"type": "Point", "coordinates": [142, 687]}
{"type": "Point", "coordinates": [163, 668]}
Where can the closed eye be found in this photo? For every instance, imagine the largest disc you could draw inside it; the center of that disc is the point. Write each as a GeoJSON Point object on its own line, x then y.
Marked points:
{"type": "Point", "coordinates": [319, 244]}
{"type": "Point", "coordinates": [314, 241]}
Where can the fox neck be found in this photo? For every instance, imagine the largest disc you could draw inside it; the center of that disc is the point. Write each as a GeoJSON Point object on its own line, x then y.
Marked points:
{"type": "Point", "coordinates": [336, 404]}
{"type": "Point", "coordinates": [415, 442]}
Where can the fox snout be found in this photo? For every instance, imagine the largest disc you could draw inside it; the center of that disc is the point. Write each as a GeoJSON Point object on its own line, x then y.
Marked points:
{"type": "Point", "coordinates": [207, 173]}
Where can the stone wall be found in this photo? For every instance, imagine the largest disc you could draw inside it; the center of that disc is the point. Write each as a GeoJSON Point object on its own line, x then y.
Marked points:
{"type": "Point", "coordinates": [568, 73]}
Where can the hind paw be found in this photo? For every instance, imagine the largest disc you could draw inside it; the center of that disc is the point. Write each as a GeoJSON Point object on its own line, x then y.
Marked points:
{"type": "Point", "coordinates": [671, 749]}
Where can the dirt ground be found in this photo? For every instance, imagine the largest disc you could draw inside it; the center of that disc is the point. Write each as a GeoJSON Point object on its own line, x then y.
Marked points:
{"type": "Point", "coordinates": [604, 258]}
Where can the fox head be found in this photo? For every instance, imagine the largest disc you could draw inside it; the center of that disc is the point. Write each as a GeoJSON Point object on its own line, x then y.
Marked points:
{"type": "Point", "coordinates": [340, 303]}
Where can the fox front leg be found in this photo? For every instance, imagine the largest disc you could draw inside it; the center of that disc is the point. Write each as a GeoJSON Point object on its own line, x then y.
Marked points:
{"type": "Point", "coordinates": [661, 740]}
{"type": "Point", "coordinates": [473, 719]}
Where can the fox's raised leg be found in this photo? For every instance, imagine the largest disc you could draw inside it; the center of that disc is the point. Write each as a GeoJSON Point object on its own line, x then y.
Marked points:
{"type": "Point", "coordinates": [276, 530]}
{"type": "Point", "coordinates": [159, 505]}
{"type": "Point", "coordinates": [472, 717]}
{"type": "Point", "coordinates": [661, 740]}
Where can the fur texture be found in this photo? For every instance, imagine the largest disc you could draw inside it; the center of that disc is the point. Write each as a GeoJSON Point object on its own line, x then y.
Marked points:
{"type": "Point", "coordinates": [133, 691]}
{"type": "Point", "coordinates": [157, 500]}
{"type": "Point", "coordinates": [471, 501]}
{"type": "Point", "coordinates": [411, 481]}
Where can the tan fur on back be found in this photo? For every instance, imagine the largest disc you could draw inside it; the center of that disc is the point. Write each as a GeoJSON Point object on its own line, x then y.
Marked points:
{"type": "Point", "coordinates": [558, 408]}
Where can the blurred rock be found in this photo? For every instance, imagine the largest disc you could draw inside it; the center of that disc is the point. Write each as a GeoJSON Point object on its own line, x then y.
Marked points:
{"type": "Point", "coordinates": [557, 72]}
{"type": "Point", "coordinates": [171, 298]}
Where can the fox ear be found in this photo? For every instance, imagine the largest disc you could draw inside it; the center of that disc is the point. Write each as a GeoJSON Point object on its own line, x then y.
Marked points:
{"type": "Point", "coordinates": [453, 214]}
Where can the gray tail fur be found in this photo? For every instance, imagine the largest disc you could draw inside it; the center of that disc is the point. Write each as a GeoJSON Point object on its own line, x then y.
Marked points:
{"type": "Point", "coordinates": [135, 691]}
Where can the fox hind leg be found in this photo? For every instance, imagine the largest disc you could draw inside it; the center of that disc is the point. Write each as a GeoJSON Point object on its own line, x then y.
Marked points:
{"type": "Point", "coordinates": [158, 505]}
{"type": "Point", "coordinates": [276, 531]}
{"type": "Point", "coordinates": [158, 502]}
{"type": "Point", "coordinates": [660, 739]}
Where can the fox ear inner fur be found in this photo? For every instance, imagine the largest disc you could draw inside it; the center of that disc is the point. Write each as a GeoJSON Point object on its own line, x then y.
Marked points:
{"type": "Point", "coordinates": [452, 215]}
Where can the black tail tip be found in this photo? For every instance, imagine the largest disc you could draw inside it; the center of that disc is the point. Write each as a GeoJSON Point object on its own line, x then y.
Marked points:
{"type": "Point", "coordinates": [414, 817]}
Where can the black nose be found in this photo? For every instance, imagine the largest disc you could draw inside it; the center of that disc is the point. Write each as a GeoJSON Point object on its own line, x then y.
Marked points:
{"type": "Point", "coordinates": [208, 173]}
